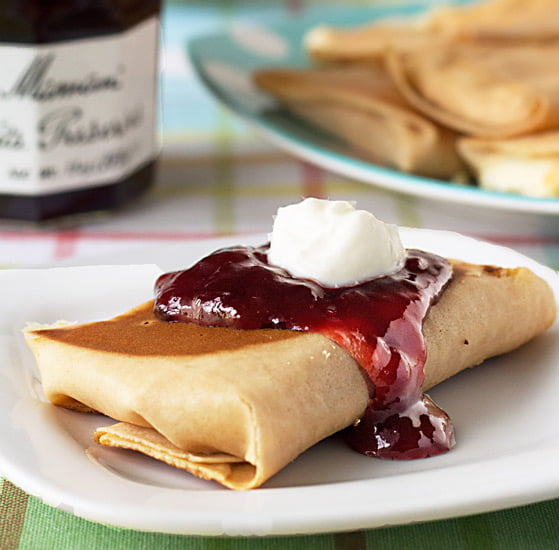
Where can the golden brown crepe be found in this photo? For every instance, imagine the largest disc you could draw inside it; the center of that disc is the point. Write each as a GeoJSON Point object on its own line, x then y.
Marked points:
{"type": "Point", "coordinates": [526, 165]}
{"type": "Point", "coordinates": [366, 43]}
{"type": "Point", "coordinates": [482, 90]}
{"type": "Point", "coordinates": [237, 406]}
{"type": "Point", "coordinates": [491, 21]}
{"type": "Point", "coordinates": [361, 106]}
{"type": "Point", "coordinates": [498, 20]}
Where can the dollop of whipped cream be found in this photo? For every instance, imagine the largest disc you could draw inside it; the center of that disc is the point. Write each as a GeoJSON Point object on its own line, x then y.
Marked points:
{"type": "Point", "coordinates": [333, 243]}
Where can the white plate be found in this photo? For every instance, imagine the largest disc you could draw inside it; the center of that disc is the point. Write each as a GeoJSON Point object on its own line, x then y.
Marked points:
{"type": "Point", "coordinates": [225, 62]}
{"type": "Point", "coordinates": [504, 412]}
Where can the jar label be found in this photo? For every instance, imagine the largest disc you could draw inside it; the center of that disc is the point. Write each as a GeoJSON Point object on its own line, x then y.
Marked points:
{"type": "Point", "coordinates": [77, 114]}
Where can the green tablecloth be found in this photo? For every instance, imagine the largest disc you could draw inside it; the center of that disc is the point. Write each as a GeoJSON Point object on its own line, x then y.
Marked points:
{"type": "Point", "coordinates": [25, 520]}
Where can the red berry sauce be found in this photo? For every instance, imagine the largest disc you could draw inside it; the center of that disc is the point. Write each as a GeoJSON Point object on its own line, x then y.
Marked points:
{"type": "Point", "coordinates": [379, 322]}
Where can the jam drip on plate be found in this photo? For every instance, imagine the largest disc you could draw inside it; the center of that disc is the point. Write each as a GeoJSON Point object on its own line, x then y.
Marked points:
{"type": "Point", "coordinates": [379, 322]}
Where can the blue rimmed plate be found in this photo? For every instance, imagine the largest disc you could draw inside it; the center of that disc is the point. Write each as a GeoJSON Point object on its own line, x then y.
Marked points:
{"type": "Point", "coordinates": [224, 62]}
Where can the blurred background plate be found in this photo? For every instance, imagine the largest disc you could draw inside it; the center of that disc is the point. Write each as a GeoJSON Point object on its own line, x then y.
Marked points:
{"type": "Point", "coordinates": [225, 60]}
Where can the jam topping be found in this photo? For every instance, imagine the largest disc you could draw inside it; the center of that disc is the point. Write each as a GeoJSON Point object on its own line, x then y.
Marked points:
{"type": "Point", "coordinates": [379, 322]}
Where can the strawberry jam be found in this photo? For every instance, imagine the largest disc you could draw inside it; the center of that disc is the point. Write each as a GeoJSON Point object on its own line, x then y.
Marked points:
{"type": "Point", "coordinates": [379, 322]}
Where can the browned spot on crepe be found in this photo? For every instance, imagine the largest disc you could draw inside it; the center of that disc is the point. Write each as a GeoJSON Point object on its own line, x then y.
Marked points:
{"type": "Point", "coordinates": [139, 332]}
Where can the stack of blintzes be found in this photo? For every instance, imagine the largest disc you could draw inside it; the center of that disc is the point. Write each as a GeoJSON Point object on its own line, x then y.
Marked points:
{"type": "Point", "coordinates": [468, 91]}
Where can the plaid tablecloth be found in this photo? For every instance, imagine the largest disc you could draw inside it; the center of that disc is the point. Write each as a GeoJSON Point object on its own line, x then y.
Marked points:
{"type": "Point", "coordinates": [217, 177]}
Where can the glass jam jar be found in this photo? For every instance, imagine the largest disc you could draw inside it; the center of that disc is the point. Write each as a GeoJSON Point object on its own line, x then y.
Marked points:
{"type": "Point", "coordinates": [78, 91]}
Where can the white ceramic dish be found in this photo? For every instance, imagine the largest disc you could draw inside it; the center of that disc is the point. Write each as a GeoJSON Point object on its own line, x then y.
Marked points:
{"type": "Point", "coordinates": [504, 413]}
{"type": "Point", "coordinates": [225, 61]}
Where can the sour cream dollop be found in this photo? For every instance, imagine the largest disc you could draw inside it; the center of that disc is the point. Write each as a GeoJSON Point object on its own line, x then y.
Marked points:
{"type": "Point", "coordinates": [333, 243]}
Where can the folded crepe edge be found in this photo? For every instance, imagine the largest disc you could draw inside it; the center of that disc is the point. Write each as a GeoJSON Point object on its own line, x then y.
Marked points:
{"type": "Point", "coordinates": [328, 44]}
{"type": "Point", "coordinates": [525, 165]}
{"type": "Point", "coordinates": [425, 147]}
{"type": "Point", "coordinates": [535, 145]}
{"type": "Point", "coordinates": [228, 470]}
{"type": "Point", "coordinates": [396, 66]}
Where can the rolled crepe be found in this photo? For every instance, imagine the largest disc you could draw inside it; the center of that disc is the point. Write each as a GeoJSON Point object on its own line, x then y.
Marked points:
{"type": "Point", "coordinates": [333, 45]}
{"type": "Point", "coordinates": [361, 106]}
{"type": "Point", "coordinates": [481, 90]}
{"type": "Point", "coordinates": [527, 165]}
{"type": "Point", "coordinates": [492, 21]}
{"type": "Point", "coordinates": [237, 406]}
